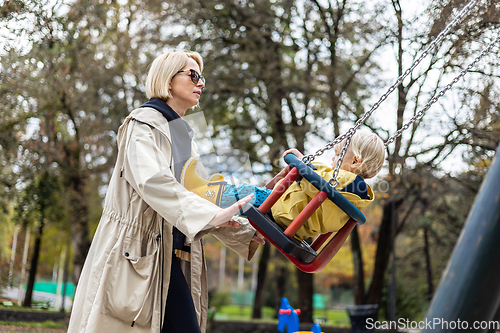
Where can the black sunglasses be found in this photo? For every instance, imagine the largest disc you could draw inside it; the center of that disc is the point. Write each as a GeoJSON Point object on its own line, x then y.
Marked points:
{"type": "Point", "coordinates": [195, 76]}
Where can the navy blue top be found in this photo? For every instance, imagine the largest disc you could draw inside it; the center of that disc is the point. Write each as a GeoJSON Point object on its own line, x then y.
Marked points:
{"type": "Point", "coordinates": [358, 187]}
{"type": "Point", "coordinates": [163, 107]}
{"type": "Point", "coordinates": [181, 135]}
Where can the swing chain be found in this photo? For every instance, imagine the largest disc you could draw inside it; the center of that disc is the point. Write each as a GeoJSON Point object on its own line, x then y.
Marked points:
{"type": "Point", "coordinates": [309, 158]}
{"type": "Point", "coordinates": [334, 181]}
{"type": "Point", "coordinates": [347, 136]}
{"type": "Point", "coordinates": [434, 99]}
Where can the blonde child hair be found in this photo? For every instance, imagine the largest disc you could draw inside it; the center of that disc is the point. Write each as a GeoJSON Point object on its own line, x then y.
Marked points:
{"type": "Point", "coordinates": [368, 148]}
{"type": "Point", "coordinates": [164, 68]}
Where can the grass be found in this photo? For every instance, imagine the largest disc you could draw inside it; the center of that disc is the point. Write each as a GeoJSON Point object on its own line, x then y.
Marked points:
{"type": "Point", "coordinates": [226, 312]}
{"type": "Point", "coordinates": [45, 324]}
{"type": "Point", "coordinates": [36, 308]}
{"type": "Point", "coordinates": [236, 312]}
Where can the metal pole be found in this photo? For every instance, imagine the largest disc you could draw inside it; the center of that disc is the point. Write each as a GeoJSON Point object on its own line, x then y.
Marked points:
{"type": "Point", "coordinates": [66, 275]}
{"type": "Point", "coordinates": [13, 256]}
{"type": "Point", "coordinates": [469, 291]}
{"type": "Point", "coordinates": [241, 273]}
{"type": "Point", "coordinates": [222, 267]}
{"type": "Point", "coordinates": [20, 293]}
{"type": "Point", "coordinates": [60, 279]}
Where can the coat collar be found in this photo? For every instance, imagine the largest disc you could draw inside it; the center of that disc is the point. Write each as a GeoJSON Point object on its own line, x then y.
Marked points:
{"type": "Point", "coordinates": [163, 107]}
{"type": "Point", "coordinates": [181, 134]}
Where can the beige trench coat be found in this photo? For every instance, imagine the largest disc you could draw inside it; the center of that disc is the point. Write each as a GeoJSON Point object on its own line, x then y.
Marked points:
{"type": "Point", "coordinates": [126, 275]}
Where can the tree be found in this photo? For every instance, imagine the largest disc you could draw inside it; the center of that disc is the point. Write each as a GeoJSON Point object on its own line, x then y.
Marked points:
{"type": "Point", "coordinates": [7, 227]}
{"type": "Point", "coordinates": [435, 152]}
{"type": "Point", "coordinates": [261, 279]}
{"type": "Point", "coordinates": [68, 91]}
{"type": "Point", "coordinates": [39, 203]}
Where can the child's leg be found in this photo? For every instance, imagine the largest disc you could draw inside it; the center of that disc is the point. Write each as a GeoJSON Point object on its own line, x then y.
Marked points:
{"type": "Point", "coordinates": [233, 193]}
{"type": "Point", "coordinates": [211, 189]}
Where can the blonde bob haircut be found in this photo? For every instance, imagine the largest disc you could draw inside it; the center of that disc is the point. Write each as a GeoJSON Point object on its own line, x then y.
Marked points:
{"type": "Point", "coordinates": [164, 68]}
{"type": "Point", "coordinates": [368, 148]}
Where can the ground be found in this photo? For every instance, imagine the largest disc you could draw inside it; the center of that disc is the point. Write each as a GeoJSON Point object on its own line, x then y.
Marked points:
{"type": "Point", "coordinates": [29, 329]}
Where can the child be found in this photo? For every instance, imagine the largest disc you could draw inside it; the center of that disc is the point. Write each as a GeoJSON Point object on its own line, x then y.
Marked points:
{"type": "Point", "coordinates": [363, 159]}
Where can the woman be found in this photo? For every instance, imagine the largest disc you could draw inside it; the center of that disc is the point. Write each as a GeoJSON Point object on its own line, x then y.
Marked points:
{"type": "Point", "coordinates": [145, 271]}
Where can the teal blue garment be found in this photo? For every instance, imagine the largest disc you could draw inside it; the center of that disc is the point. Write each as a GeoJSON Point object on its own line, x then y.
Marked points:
{"type": "Point", "coordinates": [233, 193]}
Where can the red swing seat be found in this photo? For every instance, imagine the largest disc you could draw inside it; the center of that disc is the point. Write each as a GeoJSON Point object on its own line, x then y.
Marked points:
{"type": "Point", "coordinates": [306, 257]}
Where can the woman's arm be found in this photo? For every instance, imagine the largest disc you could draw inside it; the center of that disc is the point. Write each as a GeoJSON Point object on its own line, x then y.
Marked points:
{"type": "Point", "coordinates": [148, 171]}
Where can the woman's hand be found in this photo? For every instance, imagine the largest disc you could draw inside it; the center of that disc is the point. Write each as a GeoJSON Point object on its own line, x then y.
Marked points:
{"type": "Point", "coordinates": [295, 152]}
{"type": "Point", "coordinates": [259, 238]}
{"type": "Point", "coordinates": [222, 219]}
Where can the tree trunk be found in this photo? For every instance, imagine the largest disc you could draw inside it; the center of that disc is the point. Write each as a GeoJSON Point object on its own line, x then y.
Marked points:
{"type": "Point", "coordinates": [281, 274]}
{"type": "Point", "coordinates": [383, 253]}
{"type": "Point", "coordinates": [306, 292]}
{"type": "Point", "coordinates": [271, 58]}
{"type": "Point", "coordinates": [80, 237]}
{"type": "Point", "coordinates": [13, 256]}
{"type": "Point", "coordinates": [81, 245]}
{"type": "Point", "coordinates": [359, 278]}
{"type": "Point", "coordinates": [430, 285]}
{"type": "Point", "coordinates": [34, 266]}
{"type": "Point", "coordinates": [261, 281]}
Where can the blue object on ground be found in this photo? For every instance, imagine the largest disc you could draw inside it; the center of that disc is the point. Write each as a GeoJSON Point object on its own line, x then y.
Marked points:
{"type": "Point", "coordinates": [287, 317]}
{"type": "Point", "coordinates": [316, 328]}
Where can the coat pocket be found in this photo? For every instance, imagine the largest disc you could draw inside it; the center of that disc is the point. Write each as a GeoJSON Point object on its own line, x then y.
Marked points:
{"type": "Point", "coordinates": [130, 295]}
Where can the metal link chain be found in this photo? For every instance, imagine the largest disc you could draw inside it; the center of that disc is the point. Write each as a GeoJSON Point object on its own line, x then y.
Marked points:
{"type": "Point", "coordinates": [348, 135]}
{"type": "Point", "coordinates": [434, 99]}
{"type": "Point", "coordinates": [333, 181]}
